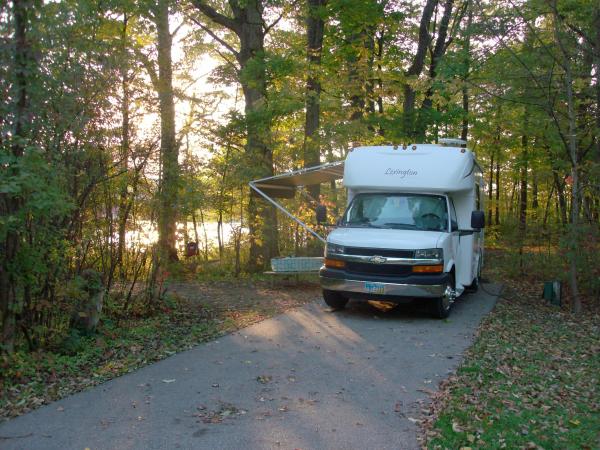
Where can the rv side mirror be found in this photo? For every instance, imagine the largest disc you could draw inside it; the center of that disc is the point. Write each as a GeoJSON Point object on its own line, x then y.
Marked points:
{"type": "Point", "coordinates": [477, 220]}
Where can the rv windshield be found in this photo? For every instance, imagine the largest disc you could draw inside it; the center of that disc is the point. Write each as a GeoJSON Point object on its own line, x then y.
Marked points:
{"type": "Point", "coordinates": [397, 211]}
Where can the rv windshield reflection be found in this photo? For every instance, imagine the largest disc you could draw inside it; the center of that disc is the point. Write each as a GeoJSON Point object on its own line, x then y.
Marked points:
{"type": "Point", "coordinates": [397, 211]}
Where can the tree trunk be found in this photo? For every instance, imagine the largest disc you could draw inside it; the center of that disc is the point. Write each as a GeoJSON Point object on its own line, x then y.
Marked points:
{"type": "Point", "coordinates": [490, 189]}
{"type": "Point", "coordinates": [125, 132]}
{"type": "Point", "coordinates": [220, 235]}
{"type": "Point", "coordinates": [195, 225]}
{"type": "Point", "coordinates": [523, 200]}
{"type": "Point", "coordinates": [597, 64]}
{"type": "Point", "coordinates": [315, 27]}
{"type": "Point", "coordinates": [262, 218]}
{"type": "Point", "coordinates": [596, 190]}
{"type": "Point", "coordinates": [169, 182]}
{"type": "Point", "coordinates": [497, 212]}
{"type": "Point", "coordinates": [511, 203]}
{"type": "Point", "coordinates": [124, 159]}
{"type": "Point", "coordinates": [534, 195]}
{"type": "Point", "coordinates": [357, 97]}
{"type": "Point", "coordinates": [415, 69]}
{"type": "Point", "coordinates": [523, 176]}
{"type": "Point", "coordinates": [547, 208]}
{"type": "Point", "coordinates": [203, 223]}
{"type": "Point", "coordinates": [10, 204]}
{"type": "Point", "coordinates": [380, 43]}
{"type": "Point", "coordinates": [436, 56]}
{"type": "Point", "coordinates": [370, 76]}
{"type": "Point", "coordinates": [575, 198]}
{"type": "Point", "coordinates": [560, 194]}
{"type": "Point", "coordinates": [248, 24]}
{"type": "Point", "coordinates": [574, 157]}
{"type": "Point", "coordinates": [465, 90]}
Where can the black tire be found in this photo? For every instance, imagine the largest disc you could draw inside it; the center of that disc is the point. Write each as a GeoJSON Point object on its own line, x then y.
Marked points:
{"type": "Point", "coordinates": [334, 299]}
{"type": "Point", "coordinates": [441, 306]}
{"type": "Point", "coordinates": [474, 286]}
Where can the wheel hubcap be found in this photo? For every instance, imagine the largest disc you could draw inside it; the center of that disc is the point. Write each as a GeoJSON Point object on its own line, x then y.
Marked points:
{"type": "Point", "coordinates": [449, 296]}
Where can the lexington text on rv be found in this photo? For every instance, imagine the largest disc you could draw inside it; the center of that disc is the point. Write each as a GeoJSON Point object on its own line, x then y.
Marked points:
{"type": "Point", "coordinates": [412, 229]}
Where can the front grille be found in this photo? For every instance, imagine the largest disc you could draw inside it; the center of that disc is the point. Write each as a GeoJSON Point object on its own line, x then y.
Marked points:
{"type": "Point", "coordinates": [377, 269]}
{"type": "Point", "coordinates": [390, 253]}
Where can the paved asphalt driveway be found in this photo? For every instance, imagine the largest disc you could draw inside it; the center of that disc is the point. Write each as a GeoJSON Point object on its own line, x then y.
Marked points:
{"type": "Point", "coordinates": [308, 379]}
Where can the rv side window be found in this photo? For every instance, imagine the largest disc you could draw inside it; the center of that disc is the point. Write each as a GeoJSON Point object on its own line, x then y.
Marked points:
{"type": "Point", "coordinates": [453, 221]}
{"type": "Point", "coordinates": [477, 198]}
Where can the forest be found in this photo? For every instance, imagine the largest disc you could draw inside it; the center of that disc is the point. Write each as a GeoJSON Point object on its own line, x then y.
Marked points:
{"type": "Point", "coordinates": [129, 131]}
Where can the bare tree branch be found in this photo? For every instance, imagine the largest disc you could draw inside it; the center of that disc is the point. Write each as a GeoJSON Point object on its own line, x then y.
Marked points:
{"type": "Point", "coordinates": [276, 21]}
{"type": "Point", "coordinates": [228, 61]}
{"type": "Point", "coordinates": [148, 65]}
{"type": "Point", "coordinates": [217, 17]}
{"type": "Point", "coordinates": [215, 37]}
{"type": "Point", "coordinates": [424, 39]}
{"type": "Point", "coordinates": [177, 28]}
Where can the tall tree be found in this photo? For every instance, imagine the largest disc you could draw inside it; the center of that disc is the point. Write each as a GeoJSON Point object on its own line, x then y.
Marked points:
{"type": "Point", "coordinates": [415, 68]}
{"type": "Point", "coordinates": [315, 27]}
{"type": "Point", "coordinates": [250, 28]}
{"type": "Point", "coordinates": [524, 165]}
{"type": "Point", "coordinates": [571, 145]}
{"type": "Point", "coordinates": [437, 52]}
{"type": "Point", "coordinates": [467, 64]}
{"type": "Point", "coordinates": [9, 202]}
{"type": "Point", "coordinates": [169, 147]}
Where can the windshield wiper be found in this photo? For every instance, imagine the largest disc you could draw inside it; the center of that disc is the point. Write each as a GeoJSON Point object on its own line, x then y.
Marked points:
{"type": "Point", "coordinates": [360, 225]}
{"type": "Point", "coordinates": [400, 225]}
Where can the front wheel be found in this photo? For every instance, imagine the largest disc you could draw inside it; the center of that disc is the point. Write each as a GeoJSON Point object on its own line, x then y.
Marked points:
{"type": "Point", "coordinates": [474, 286]}
{"type": "Point", "coordinates": [441, 305]}
{"type": "Point", "coordinates": [334, 299]}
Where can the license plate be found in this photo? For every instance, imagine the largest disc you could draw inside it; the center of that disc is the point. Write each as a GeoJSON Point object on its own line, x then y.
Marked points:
{"type": "Point", "coordinates": [374, 288]}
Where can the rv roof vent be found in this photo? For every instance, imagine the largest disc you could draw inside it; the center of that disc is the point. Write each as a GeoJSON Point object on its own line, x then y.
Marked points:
{"type": "Point", "coordinates": [451, 142]}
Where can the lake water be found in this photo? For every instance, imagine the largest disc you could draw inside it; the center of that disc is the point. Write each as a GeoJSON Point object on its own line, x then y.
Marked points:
{"type": "Point", "coordinates": [146, 234]}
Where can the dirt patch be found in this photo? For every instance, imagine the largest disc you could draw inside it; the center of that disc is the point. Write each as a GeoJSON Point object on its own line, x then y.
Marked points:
{"type": "Point", "coordinates": [232, 298]}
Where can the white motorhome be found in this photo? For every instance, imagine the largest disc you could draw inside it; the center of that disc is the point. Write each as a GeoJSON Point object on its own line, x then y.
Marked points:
{"type": "Point", "coordinates": [412, 227]}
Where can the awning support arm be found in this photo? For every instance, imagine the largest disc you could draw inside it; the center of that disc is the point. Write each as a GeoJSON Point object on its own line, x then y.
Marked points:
{"type": "Point", "coordinates": [286, 212]}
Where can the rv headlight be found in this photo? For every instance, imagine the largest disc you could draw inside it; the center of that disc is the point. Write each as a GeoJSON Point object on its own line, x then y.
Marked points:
{"type": "Point", "coordinates": [429, 253]}
{"type": "Point", "coordinates": [333, 249]}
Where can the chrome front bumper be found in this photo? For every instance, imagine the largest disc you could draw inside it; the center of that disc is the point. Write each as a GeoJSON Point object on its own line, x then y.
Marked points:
{"type": "Point", "coordinates": [393, 289]}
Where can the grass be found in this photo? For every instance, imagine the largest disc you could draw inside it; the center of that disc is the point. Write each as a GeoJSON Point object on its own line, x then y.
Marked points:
{"type": "Point", "coordinates": [531, 380]}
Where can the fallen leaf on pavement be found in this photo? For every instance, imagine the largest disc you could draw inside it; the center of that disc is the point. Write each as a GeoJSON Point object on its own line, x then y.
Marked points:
{"type": "Point", "coordinates": [264, 379]}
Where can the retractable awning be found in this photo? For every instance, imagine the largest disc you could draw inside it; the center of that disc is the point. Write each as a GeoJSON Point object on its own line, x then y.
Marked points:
{"type": "Point", "coordinates": [285, 185]}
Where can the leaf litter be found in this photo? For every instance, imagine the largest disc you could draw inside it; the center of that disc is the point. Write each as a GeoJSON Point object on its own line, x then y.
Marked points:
{"type": "Point", "coordinates": [530, 381]}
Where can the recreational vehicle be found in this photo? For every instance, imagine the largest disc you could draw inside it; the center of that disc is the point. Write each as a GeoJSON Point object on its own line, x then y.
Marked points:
{"type": "Point", "coordinates": [412, 228]}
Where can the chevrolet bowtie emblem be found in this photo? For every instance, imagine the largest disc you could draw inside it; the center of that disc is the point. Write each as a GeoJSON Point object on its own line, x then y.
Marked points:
{"type": "Point", "coordinates": [377, 259]}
